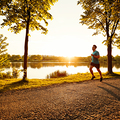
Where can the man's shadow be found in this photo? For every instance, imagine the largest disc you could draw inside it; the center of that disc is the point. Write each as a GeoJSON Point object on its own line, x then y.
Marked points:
{"type": "Point", "coordinates": [111, 92]}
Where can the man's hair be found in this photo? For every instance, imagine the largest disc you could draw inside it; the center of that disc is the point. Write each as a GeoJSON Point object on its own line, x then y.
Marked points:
{"type": "Point", "coordinates": [95, 46]}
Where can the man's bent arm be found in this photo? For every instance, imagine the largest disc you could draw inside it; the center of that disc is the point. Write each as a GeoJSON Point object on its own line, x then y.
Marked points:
{"type": "Point", "coordinates": [98, 56]}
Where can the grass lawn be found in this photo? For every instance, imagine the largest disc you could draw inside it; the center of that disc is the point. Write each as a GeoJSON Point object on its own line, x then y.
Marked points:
{"type": "Point", "coordinates": [11, 84]}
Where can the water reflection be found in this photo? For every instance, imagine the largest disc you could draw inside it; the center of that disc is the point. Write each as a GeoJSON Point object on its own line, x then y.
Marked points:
{"type": "Point", "coordinates": [41, 70]}
{"type": "Point", "coordinates": [39, 65]}
{"type": "Point", "coordinates": [48, 64]}
{"type": "Point", "coordinates": [16, 65]}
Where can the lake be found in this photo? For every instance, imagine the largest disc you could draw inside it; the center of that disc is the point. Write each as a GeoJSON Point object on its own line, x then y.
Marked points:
{"type": "Point", "coordinates": [38, 70]}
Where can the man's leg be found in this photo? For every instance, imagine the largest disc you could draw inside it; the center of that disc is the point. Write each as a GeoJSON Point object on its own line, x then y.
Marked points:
{"type": "Point", "coordinates": [99, 73]}
{"type": "Point", "coordinates": [91, 71]}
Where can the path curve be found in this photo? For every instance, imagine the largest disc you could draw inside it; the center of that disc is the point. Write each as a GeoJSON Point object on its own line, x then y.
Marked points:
{"type": "Point", "coordinates": [89, 100]}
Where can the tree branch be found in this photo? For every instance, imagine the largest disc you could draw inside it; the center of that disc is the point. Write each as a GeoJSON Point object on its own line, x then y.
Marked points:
{"type": "Point", "coordinates": [114, 28]}
{"type": "Point", "coordinates": [101, 24]}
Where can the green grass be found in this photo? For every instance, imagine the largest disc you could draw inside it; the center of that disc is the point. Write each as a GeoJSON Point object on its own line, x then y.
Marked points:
{"type": "Point", "coordinates": [11, 84]}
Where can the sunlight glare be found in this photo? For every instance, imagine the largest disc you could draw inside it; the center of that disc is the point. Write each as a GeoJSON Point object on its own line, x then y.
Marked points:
{"type": "Point", "coordinates": [68, 46]}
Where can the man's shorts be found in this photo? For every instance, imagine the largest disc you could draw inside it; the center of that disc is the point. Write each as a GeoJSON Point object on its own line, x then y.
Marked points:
{"type": "Point", "coordinates": [95, 65]}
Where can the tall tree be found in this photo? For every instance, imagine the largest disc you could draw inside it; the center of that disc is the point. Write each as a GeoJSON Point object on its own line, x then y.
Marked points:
{"type": "Point", "coordinates": [3, 55]}
{"type": "Point", "coordinates": [27, 14]}
{"type": "Point", "coordinates": [104, 17]}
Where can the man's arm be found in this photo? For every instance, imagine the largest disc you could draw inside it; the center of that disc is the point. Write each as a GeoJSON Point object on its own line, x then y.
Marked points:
{"type": "Point", "coordinates": [98, 56]}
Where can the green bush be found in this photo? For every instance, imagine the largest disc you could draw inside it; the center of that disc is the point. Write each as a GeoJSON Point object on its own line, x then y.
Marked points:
{"type": "Point", "coordinates": [15, 73]}
{"type": "Point", "coordinates": [57, 74]}
{"type": "Point", "coordinates": [5, 75]}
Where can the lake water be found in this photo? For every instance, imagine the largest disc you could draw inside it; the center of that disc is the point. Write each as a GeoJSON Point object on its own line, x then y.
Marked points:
{"type": "Point", "coordinates": [38, 70]}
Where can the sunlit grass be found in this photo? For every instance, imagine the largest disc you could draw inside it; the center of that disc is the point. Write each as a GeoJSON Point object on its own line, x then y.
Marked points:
{"type": "Point", "coordinates": [11, 84]}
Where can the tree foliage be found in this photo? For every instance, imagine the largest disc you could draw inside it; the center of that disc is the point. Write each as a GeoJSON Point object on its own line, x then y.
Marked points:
{"type": "Point", "coordinates": [4, 4]}
{"type": "Point", "coordinates": [35, 58]}
{"type": "Point", "coordinates": [3, 55]}
{"type": "Point", "coordinates": [97, 12]}
{"type": "Point", "coordinates": [15, 58]}
{"type": "Point", "coordinates": [18, 11]}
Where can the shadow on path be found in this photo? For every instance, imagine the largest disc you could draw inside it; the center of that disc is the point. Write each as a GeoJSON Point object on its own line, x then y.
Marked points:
{"type": "Point", "coordinates": [111, 92]}
{"type": "Point", "coordinates": [14, 85]}
{"type": "Point", "coordinates": [112, 86]}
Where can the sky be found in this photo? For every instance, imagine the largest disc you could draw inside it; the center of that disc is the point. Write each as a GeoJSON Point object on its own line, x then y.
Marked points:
{"type": "Point", "coordinates": [65, 37]}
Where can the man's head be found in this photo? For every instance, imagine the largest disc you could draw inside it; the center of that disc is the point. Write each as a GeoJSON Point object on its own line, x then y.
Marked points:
{"type": "Point", "coordinates": [94, 47]}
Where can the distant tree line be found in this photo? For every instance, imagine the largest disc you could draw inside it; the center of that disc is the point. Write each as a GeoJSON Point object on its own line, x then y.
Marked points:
{"type": "Point", "coordinates": [49, 58]}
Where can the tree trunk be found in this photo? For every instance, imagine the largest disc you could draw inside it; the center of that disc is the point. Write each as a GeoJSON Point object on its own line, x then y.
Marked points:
{"type": "Point", "coordinates": [26, 48]}
{"type": "Point", "coordinates": [110, 57]}
{"type": "Point", "coordinates": [109, 49]}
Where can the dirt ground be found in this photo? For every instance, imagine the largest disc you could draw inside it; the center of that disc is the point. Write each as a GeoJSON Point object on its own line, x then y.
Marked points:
{"type": "Point", "coordinates": [89, 100]}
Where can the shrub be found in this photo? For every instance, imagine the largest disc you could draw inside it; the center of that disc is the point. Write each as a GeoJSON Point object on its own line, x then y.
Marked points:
{"type": "Point", "coordinates": [57, 74]}
{"type": "Point", "coordinates": [15, 73]}
{"type": "Point", "coordinates": [5, 75]}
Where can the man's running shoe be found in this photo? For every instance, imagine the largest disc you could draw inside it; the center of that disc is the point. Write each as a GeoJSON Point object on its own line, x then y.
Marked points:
{"type": "Point", "coordinates": [92, 77]}
{"type": "Point", "coordinates": [101, 79]}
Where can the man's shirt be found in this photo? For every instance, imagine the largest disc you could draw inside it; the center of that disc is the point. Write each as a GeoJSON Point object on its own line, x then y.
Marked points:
{"type": "Point", "coordinates": [95, 60]}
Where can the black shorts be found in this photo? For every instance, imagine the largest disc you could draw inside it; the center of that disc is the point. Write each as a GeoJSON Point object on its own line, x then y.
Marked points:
{"type": "Point", "coordinates": [95, 65]}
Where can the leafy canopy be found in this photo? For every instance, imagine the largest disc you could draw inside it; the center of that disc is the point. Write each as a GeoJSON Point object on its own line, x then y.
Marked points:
{"type": "Point", "coordinates": [18, 11]}
{"type": "Point", "coordinates": [103, 16]}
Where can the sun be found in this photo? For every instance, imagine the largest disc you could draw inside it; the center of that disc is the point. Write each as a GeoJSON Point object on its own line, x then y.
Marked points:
{"type": "Point", "coordinates": [69, 59]}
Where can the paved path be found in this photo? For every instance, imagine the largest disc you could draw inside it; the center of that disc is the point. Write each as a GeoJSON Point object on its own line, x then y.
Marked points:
{"type": "Point", "coordinates": [90, 100]}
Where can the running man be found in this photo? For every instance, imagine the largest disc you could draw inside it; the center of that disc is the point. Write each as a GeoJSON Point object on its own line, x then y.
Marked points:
{"type": "Point", "coordinates": [95, 62]}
